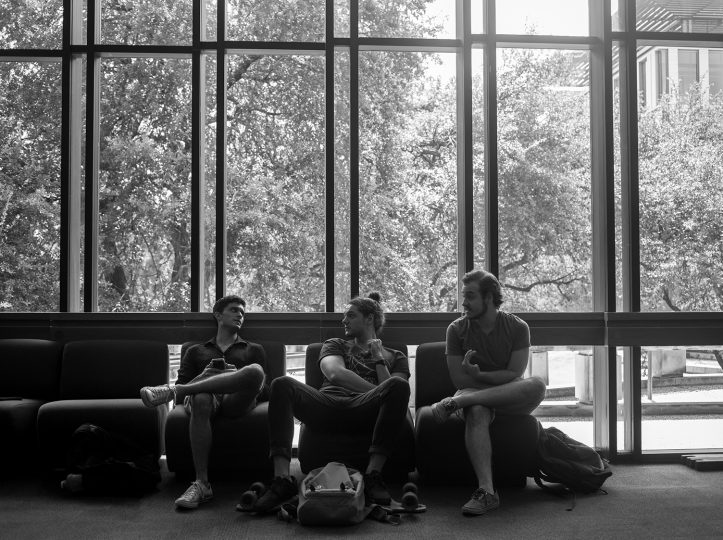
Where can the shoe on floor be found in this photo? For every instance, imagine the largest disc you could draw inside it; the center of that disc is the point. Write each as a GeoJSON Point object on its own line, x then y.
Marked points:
{"type": "Point", "coordinates": [281, 490]}
{"type": "Point", "coordinates": [375, 491]}
{"type": "Point", "coordinates": [443, 409]}
{"type": "Point", "coordinates": [196, 494]}
{"type": "Point", "coordinates": [153, 396]}
{"type": "Point", "coordinates": [481, 503]}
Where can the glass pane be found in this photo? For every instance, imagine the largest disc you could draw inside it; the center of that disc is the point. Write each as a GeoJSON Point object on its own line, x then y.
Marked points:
{"type": "Point", "coordinates": [211, 8]}
{"type": "Point", "coordinates": [681, 196]}
{"type": "Point", "coordinates": [715, 71]}
{"type": "Point", "coordinates": [342, 224]}
{"type": "Point", "coordinates": [568, 403]}
{"type": "Point", "coordinates": [276, 182]}
{"type": "Point", "coordinates": [144, 245]}
{"type": "Point", "coordinates": [688, 69]}
{"type": "Point", "coordinates": [408, 179]}
{"type": "Point", "coordinates": [478, 159]}
{"type": "Point", "coordinates": [544, 180]}
{"type": "Point", "coordinates": [617, 16]}
{"type": "Point", "coordinates": [275, 20]}
{"type": "Point", "coordinates": [404, 19]}
{"type": "Point", "coordinates": [477, 12]}
{"type": "Point", "coordinates": [618, 182]}
{"type": "Point", "coordinates": [146, 22]}
{"type": "Point", "coordinates": [30, 107]}
{"type": "Point", "coordinates": [26, 24]}
{"type": "Point", "coordinates": [552, 17]}
{"type": "Point", "coordinates": [341, 18]}
{"type": "Point", "coordinates": [682, 407]}
{"type": "Point", "coordinates": [209, 181]}
{"type": "Point", "coordinates": [657, 16]}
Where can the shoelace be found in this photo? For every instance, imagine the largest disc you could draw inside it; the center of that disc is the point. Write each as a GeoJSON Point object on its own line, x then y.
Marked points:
{"type": "Point", "coordinates": [195, 491]}
{"type": "Point", "coordinates": [480, 493]}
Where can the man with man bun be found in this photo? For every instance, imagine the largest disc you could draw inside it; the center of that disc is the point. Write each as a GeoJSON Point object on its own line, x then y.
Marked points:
{"type": "Point", "coordinates": [365, 385]}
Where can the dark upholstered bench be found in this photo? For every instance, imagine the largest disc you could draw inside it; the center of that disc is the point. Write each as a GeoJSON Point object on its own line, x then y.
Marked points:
{"type": "Point", "coordinates": [240, 445]}
{"type": "Point", "coordinates": [29, 371]}
{"type": "Point", "coordinates": [441, 454]}
{"type": "Point", "coordinates": [317, 448]}
{"type": "Point", "coordinates": [100, 382]}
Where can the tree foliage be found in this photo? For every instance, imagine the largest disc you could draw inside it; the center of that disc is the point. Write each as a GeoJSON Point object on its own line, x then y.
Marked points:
{"type": "Point", "coordinates": [275, 195]}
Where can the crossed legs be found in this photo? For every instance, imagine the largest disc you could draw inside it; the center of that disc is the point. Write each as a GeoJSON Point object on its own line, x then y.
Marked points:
{"type": "Point", "coordinates": [519, 397]}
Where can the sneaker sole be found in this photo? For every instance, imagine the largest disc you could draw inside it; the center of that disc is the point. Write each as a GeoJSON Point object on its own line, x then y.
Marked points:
{"type": "Point", "coordinates": [478, 511]}
{"type": "Point", "coordinates": [191, 505]}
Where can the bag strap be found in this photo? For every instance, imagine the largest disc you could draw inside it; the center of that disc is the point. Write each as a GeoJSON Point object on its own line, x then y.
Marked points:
{"type": "Point", "coordinates": [378, 513]}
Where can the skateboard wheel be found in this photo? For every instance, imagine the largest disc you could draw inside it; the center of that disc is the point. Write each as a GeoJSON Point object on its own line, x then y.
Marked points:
{"type": "Point", "coordinates": [410, 500]}
{"type": "Point", "coordinates": [410, 486]}
{"type": "Point", "coordinates": [249, 498]}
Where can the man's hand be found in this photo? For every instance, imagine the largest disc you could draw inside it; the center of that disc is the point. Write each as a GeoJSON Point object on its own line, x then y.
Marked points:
{"type": "Point", "coordinates": [376, 350]}
{"type": "Point", "coordinates": [469, 368]}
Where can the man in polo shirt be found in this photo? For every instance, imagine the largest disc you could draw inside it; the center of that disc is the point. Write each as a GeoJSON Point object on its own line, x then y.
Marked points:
{"type": "Point", "coordinates": [224, 376]}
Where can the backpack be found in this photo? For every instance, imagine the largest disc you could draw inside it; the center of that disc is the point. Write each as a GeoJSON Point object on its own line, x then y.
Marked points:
{"type": "Point", "coordinates": [562, 460]}
{"type": "Point", "coordinates": [332, 495]}
{"type": "Point", "coordinates": [111, 464]}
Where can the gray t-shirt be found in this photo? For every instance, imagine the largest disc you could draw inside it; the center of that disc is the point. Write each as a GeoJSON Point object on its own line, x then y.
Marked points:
{"type": "Point", "coordinates": [510, 333]}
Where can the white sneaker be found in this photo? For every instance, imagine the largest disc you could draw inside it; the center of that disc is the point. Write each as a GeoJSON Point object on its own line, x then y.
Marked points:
{"type": "Point", "coordinates": [153, 396]}
{"type": "Point", "coordinates": [195, 495]}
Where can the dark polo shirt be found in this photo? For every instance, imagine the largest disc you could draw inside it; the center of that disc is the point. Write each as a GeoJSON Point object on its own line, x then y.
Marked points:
{"type": "Point", "coordinates": [240, 354]}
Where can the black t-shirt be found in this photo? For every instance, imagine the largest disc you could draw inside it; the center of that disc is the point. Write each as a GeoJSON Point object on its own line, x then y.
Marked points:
{"type": "Point", "coordinates": [360, 362]}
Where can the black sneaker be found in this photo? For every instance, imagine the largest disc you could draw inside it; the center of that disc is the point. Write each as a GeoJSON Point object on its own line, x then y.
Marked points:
{"type": "Point", "coordinates": [375, 491]}
{"type": "Point", "coordinates": [282, 489]}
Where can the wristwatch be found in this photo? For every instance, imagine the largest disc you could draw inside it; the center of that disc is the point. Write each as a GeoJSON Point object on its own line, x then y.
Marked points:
{"type": "Point", "coordinates": [380, 361]}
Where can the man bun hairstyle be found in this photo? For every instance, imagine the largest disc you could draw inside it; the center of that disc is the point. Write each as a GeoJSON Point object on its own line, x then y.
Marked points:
{"type": "Point", "coordinates": [486, 283]}
{"type": "Point", "coordinates": [221, 303]}
{"type": "Point", "coordinates": [371, 305]}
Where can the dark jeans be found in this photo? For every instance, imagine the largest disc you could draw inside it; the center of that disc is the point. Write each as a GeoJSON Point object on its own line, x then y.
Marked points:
{"type": "Point", "coordinates": [381, 410]}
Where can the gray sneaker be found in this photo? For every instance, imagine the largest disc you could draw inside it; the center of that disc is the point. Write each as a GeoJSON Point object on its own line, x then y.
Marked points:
{"type": "Point", "coordinates": [443, 409]}
{"type": "Point", "coordinates": [153, 396]}
{"type": "Point", "coordinates": [481, 503]}
{"type": "Point", "coordinates": [195, 495]}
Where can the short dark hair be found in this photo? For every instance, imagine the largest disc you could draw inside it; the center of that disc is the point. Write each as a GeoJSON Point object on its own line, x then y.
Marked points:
{"type": "Point", "coordinates": [486, 283]}
{"type": "Point", "coordinates": [371, 305]}
{"type": "Point", "coordinates": [221, 303]}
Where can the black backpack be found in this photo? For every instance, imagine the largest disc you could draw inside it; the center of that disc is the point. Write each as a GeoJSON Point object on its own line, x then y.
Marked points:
{"type": "Point", "coordinates": [110, 463]}
{"type": "Point", "coordinates": [574, 466]}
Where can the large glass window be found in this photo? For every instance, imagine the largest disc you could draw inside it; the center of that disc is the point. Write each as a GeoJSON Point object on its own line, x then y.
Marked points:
{"type": "Point", "coordinates": [544, 180]}
{"type": "Point", "coordinates": [30, 97]}
{"type": "Point", "coordinates": [144, 185]}
{"type": "Point", "coordinates": [681, 252]}
{"type": "Point", "coordinates": [275, 181]}
{"type": "Point", "coordinates": [408, 188]}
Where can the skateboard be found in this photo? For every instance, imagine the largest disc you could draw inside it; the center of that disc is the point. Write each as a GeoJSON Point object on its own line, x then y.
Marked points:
{"type": "Point", "coordinates": [252, 495]}
{"type": "Point", "coordinates": [409, 504]}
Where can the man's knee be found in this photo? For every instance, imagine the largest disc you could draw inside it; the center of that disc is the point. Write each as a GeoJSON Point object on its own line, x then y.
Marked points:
{"type": "Point", "coordinates": [479, 415]}
{"type": "Point", "coordinates": [253, 375]}
{"type": "Point", "coordinates": [398, 387]}
{"type": "Point", "coordinates": [535, 390]}
{"type": "Point", "coordinates": [282, 386]}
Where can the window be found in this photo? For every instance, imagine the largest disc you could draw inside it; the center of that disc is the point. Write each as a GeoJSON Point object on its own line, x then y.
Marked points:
{"type": "Point", "coordinates": [715, 71]}
{"type": "Point", "coordinates": [661, 73]}
{"type": "Point", "coordinates": [688, 69]}
{"type": "Point", "coordinates": [643, 82]}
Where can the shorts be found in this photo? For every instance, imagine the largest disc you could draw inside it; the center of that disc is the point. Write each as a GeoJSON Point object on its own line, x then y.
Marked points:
{"type": "Point", "coordinates": [460, 412]}
{"type": "Point", "coordinates": [215, 404]}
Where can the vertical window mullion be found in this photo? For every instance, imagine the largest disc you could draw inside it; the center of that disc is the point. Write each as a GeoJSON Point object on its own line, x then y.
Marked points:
{"type": "Point", "coordinates": [354, 146]}
{"type": "Point", "coordinates": [465, 169]}
{"type": "Point", "coordinates": [491, 140]}
{"type": "Point", "coordinates": [69, 164]}
{"type": "Point", "coordinates": [221, 237]}
{"type": "Point", "coordinates": [92, 149]}
{"type": "Point", "coordinates": [330, 158]}
{"type": "Point", "coordinates": [197, 163]}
